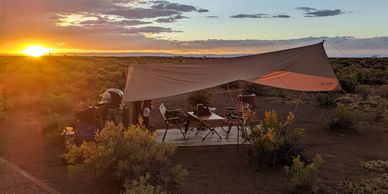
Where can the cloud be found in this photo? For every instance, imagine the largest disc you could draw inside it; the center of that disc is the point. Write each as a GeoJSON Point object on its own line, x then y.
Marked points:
{"type": "Point", "coordinates": [165, 5]}
{"type": "Point", "coordinates": [324, 13]}
{"type": "Point", "coordinates": [140, 13]}
{"type": "Point", "coordinates": [281, 16]}
{"type": "Point", "coordinates": [312, 12]}
{"type": "Point", "coordinates": [306, 9]}
{"type": "Point", "coordinates": [260, 15]}
{"type": "Point", "coordinates": [335, 46]}
{"type": "Point", "coordinates": [212, 16]}
{"type": "Point", "coordinates": [171, 19]}
{"type": "Point", "coordinates": [148, 29]}
{"type": "Point", "coordinates": [202, 10]}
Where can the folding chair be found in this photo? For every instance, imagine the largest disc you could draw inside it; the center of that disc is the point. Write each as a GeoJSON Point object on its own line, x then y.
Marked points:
{"type": "Point", "coordinates": [233, 115]}
{"type": "Point", "coordinates": [170, 119]}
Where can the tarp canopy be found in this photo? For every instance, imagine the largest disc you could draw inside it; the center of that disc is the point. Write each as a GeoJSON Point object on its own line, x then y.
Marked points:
{"type": "Point", "coordinates": [304, 68]}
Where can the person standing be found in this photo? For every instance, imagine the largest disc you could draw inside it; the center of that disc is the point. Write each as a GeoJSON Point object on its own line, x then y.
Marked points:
{"type": "Point", "coordinates": [148, 105]}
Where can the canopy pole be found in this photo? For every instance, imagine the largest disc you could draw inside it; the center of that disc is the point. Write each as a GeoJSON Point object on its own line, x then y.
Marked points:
{"type": "Point", "coordinates": [297, 103]}
{"type": "Point", "coordinates": [230, 94]}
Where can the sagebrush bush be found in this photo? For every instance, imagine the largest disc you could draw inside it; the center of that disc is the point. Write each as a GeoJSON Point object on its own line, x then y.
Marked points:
{"type": "Point", "coordinates": [382, 91]}
{"type": "Point", "coordinates": [375, 165]}
{"type": "Point", "coordinates": [304, 176]}
{"type": "Point", "coordinates": [61, 103]}
{"type": "Point", "coordinates": [327, 99]}
{"type": "Point", "coordinates": [142, 185]}
{"type": "Point", "coordinates": [53, 121]}
{"type": "Point", "coordinates": [123, 155]}
{"type": "Point", "coordinates": [273, 143]}
{"type": "Point", "coordinates": [363, 90]}
{"type": "Point", "coordinates": [349, 82]}
{"type": "Point", "coordinates": [377, 185]}
{"type": "Point", "coordinates": [345, 119]}
{"type": "Point", "coordinates": [52, 128]}
{"type": "Point", "coordinates": [199, 97]}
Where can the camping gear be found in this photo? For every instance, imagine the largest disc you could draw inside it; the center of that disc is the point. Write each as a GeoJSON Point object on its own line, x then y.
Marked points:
{"type": "Point", "coordinates": [84, 132]}
{"type": "Point", "coordinates": [112, 97]}
{"type": "Point", "coordinates": [204, 123]}
{"type": "Point", "coordinates": [202, 110]}
{"type": "Point", "coordinates": [110, 103]}
{"type": "Point", "coordinates": [87, 122]}
{"type": "Point", "coordinates": [171, 117]}
{"type": "Point", "coordinates": [305, 68]}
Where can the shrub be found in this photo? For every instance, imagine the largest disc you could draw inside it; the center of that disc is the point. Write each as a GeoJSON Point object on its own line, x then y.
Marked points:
{"type": "Point", "coordinates": [52, 126]}
{"type": "Point", "coordinates": [381, 111]}
{"type": "Point", "coordinates": [52, 121]}
{"type": "Point", "coordinates": [304, 177]}
{"type": "Point", "coordinates": [327, 99]}
{"type": "Point", "coordinates": [382, 91]}
{"type": "Point", "coordinates": [363, 90]}
{"type": "Point", "coordinates": [376, 165]}
{"type": "Point", "coordinates": [348, 82]}
{"type": "Point", "coordinates": [123, 155]}
{"type": "Point", "coordinates": [142, 186]}
{"type": "Point", "coordinates": [61, 103]}
{"type": "Point", "coordinates": [345, 119]}
{"type": "Point", "coordinates": [199, 97]}
{"type": "Point", "coordinates": [378, 184]}
{"type": "Point", "coordinates": [273, 143]}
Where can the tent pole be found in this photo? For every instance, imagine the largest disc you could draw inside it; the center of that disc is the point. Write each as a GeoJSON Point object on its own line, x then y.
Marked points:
{"type": "Point", "coordinates": [240, 101]}
{"type": "Point", "coordinates": [297, 103]}
{"type": "Point", "coordinates": [230, 94]}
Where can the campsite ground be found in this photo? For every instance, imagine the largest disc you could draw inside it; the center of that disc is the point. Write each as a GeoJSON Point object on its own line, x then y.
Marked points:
{"type": "Point", "coordinates": [34, 91]}
{"type": "Point", "coordinates": [213, 169]}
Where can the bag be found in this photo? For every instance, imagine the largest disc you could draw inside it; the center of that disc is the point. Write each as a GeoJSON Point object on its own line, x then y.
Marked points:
{"type": "Point", "coordinates": [202, 110]}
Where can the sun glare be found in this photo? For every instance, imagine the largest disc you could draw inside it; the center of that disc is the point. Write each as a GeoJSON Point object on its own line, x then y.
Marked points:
{"type": "Point", "coordinates": [36, 51]}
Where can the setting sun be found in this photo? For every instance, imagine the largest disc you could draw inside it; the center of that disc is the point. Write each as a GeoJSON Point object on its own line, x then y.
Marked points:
{"type": "Point", "coordinates": [36, 51]}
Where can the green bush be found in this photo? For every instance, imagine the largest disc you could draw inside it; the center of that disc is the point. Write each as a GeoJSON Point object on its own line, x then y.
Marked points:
{"type": "Point", "coordinates": [124, 155]}
{"type": "Point", "coordinates": [381, 112]}
{"type": "Point", "coordinates": [382, 91]}
{"type": "Point", "coordinates": [61, 103]}
{"type": "Point", "coordinates": [143, 186]}
{"type": "Point", "coordinates": [273, 143]}
{"type": "Point", "coordinates": [53, 121]}
{"type": "Point", "coordinates": [349, 82]}
{"type": "Point", "coordinates": [53, 126]}
{"type": "Point", "coordinates": [304, 177]}
{"type": "Point", "coordinates": [327, 99]}
{"type": "Point", "coordinates": [199, 97]}
{"type": "Point", "coordinates": [363, 90]}
{"type": "Point", "coordinates": [345, 119]}
{"type": "Point", "coordinates": [375, 185]}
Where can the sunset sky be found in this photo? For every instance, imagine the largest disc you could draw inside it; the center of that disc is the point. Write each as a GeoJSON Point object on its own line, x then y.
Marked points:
{"type": "Point", "coordinates": [351, 27]}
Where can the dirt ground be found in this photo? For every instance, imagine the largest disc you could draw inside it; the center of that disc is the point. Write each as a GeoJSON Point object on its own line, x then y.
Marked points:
{"type": "Point", "coordinates": [213, 169]}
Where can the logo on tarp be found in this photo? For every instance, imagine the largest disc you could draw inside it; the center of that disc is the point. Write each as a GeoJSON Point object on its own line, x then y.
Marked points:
{"type": "Point", "coordinates": [327, 83]}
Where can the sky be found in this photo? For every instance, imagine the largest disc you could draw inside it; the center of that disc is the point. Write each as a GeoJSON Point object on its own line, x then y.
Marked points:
{"type": "Point", "coordinates": [350, 27]}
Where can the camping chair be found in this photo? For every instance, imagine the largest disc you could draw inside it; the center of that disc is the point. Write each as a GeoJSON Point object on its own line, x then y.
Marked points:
{"type": "Point", "coordinates": [171, 117]}
{"type": "Point", "coordinates": [234, 117]}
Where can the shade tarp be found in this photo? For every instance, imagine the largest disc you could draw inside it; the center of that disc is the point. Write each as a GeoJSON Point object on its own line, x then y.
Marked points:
{"type": "Point", "coordinates": [304, 69]}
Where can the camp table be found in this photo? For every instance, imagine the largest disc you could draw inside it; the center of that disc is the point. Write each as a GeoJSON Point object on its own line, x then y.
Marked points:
{"type": "Point", "coordinates": [204, 120]}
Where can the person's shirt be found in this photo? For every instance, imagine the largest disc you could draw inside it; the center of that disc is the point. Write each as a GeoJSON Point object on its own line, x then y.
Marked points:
{"type": "Point", "coordinates": [146, 112]}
